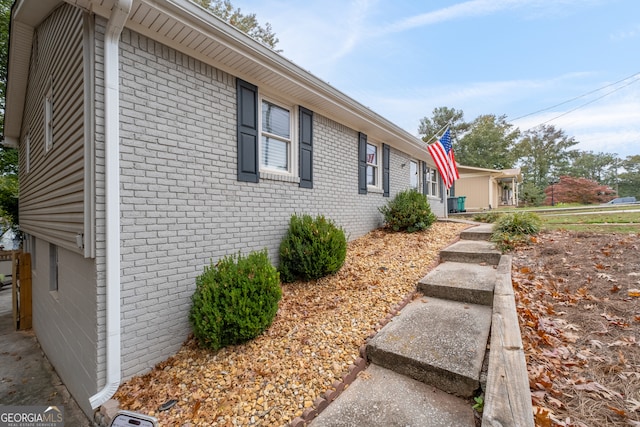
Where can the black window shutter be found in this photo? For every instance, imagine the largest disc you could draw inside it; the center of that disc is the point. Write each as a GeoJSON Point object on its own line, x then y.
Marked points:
{"type": "Point", "coordinates": [386, 154]}
{"type": "Point", "coordinates": [362, 163]}
{"type": "Point", "coordinates": [247, 132]}
{"type": "Point", "coordinates": [425, 190]}
{"type": "Point", "coordinates": [306, 148]}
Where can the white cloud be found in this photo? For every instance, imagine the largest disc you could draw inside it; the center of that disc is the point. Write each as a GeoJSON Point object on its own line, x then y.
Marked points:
{"type": "Point", "coordinates": [621, 142]}
{"type": "Point", "coordinates": [326, 36]}
{"type": "Point", "coordinates": [322, 33]}
{"type": "Point", "coordinates": [609, 125]}
{"type": "Point", "coordinates": [357, 28]}
{"type": "Point", "coordinates": [626, 34]}
{"type": "Point", "coordinates": [457, 11]}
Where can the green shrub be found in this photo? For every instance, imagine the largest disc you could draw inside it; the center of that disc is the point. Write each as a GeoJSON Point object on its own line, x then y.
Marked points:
{"type": "Point", "coordinates": [514, 229]}
{"type": "Point", "coordinates": [311, 249]}
{"type": "Point", "coordinates": [235, 300]}
{"type": "Point", "coordinates": [487, 216]}
{"type": "Point", "coordinates": [408, 211]}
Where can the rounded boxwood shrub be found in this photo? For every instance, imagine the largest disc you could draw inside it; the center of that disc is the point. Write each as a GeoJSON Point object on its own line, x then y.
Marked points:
{"type": "Point", "coordinates": [235, 300]}
{"type": "Point", "coordinates": [312, 248]}
{"type": "Point", "coordinates": [408, 211]}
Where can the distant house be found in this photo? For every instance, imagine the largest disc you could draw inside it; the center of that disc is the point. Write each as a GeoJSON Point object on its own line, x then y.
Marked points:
{"type": "Point", "coordinates": [154, 138]}
{"type": "Point", "coordinates": [488, 188]}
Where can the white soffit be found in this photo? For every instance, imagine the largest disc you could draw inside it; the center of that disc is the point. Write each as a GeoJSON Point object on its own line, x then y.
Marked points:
{"type": "Point", "coordinates": [188, 28]}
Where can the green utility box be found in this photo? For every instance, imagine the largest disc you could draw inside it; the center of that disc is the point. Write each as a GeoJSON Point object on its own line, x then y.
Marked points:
{"type": "Point", "coordinates": [461, 200]}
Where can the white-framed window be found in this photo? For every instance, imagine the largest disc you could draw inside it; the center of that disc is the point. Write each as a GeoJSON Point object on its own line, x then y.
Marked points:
{"type": "Point", "coordinates": [373, 165]}
{"type": "Point", "coordinates": [27, 153]}
{"type": "Point", "coordinates": [276, 137]}
{"type": "Point", "coordinates": [413, 174]}
{"type": "Point", "coordinates": [48, 119]}
{"type": "Point", "coordinates": [432, 182]}
{"type": "Point", "coordinates": [53, 267]}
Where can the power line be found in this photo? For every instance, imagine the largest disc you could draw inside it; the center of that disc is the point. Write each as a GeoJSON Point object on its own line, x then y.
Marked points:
{"type": "Point", "coordinates": [582, 96]}
{"type": "Point", "coordinates": [591, 102]}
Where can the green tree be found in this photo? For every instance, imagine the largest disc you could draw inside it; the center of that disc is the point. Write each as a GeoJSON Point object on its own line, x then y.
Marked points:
{"type": "Point", "coordinates": [530, 195]}
{"type": "Point", "coordinates": [5, 16]}
{"type": "Point", "coordinates": [443, 116]}
{"type": "Point", "coordinates": [9, 201]}
{"type": "Point", "coordinates": [9, 186]}
{"type": "Point", "coordinates": [489, 143]}
{"type": "Point", "coordinates": [629, 180]}
{"type": "Point", "coordinates": [8, 161]}
{"type": "Point", "coordinates": [249, 24]}
{"type": "Point", "coordinates": [543, 152]}
{"type": "Point", "coordinates": [598, 167]}
{"type": "Point", "coordinates": [8, 156]}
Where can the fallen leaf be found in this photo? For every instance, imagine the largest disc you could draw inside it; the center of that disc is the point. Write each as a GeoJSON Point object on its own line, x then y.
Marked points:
{"type": "Point", "coordinates": [364, 375]}
{"type": "Point", "coordinates": [196, 408]}
{"type": "Point", "coordinates": [618, 411]}
{"type": "Point", "coordinates": [542, 416]}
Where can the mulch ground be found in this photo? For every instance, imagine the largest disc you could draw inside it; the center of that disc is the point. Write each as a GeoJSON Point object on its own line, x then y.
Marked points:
{"type": "Point", "coordinates": [578, 301]}
{"type": "Point", "coordinates": [315, 337]}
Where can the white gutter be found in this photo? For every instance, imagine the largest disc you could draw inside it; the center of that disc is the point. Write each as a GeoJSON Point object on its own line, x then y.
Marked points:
{"type": "Point", "coordinates": [119, 15]}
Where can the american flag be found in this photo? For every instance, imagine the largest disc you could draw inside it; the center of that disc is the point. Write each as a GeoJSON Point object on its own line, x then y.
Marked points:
{"type": "Point", "coordinates": [445, 159]}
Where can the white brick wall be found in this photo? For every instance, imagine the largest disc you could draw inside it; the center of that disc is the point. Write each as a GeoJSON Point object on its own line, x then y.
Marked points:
{"type": "Point", "coordinates": [182, 205]}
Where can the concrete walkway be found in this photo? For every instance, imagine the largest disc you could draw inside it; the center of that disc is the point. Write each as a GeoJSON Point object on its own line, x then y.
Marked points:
{"type": "Point", "coordinates": [429, 361]}
{"type": "Point", "coordinates": [26, 376]}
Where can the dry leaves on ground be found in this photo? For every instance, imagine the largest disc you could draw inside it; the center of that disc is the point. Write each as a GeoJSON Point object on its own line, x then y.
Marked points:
{"type": "Point", "coordinates": [579, 308]}
{"type": "Point", "coordinates": [316, 335]}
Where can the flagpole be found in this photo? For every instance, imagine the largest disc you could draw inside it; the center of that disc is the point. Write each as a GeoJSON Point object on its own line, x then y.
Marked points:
{"type": "Point", "coordinates": [443, 157]}
{"type": "Point", "coordinates": [437, 133]}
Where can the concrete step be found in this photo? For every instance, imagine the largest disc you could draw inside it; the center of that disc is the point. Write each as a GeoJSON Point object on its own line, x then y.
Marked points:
{"type": "Point", "coordinates": [471, 251]}
{"type": "Point", "coordinates": [381, 398]}
{"type": "Point", "coordinates": [479, 232]}
{"type": "Point", "coordinates": [435, 341]}
{"type": "Point", "coordinates": [457, 281]}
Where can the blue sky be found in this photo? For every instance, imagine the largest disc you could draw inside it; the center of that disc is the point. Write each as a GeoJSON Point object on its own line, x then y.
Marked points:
{"type": "Point", "coordinates": [403, 58]}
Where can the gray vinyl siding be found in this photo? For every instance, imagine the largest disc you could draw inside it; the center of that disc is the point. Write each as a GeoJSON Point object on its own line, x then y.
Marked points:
{"type": "Point", "coordinates": [52, 193]}
{"type": "Point", "coordinates": [182, 204]}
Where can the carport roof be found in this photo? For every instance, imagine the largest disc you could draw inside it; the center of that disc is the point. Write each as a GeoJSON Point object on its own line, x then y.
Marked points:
{"type": "Point", "coordinates": [500, 174]}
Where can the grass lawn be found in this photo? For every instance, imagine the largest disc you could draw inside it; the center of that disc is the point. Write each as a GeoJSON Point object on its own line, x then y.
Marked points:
{"type": "Point", "coordinates": [600, 219]}
{"type": "Point", "coordinates": [590, 218]}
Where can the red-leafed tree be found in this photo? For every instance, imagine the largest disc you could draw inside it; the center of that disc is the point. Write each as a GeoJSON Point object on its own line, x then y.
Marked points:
{"type": "Point", "coordinates": [578, 190]}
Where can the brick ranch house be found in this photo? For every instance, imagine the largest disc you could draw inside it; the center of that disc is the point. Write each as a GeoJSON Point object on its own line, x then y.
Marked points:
{"type": "Point", "coordinates": [154, 138]}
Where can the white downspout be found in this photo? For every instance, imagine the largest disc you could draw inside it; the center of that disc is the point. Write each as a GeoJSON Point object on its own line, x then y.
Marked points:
{"type": "Point", "coordinates": [119, 15]}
